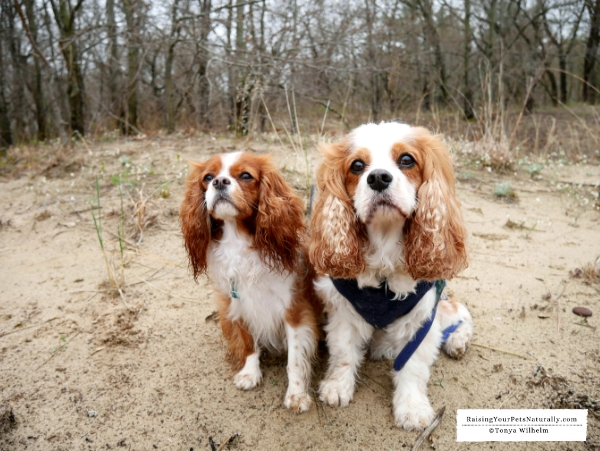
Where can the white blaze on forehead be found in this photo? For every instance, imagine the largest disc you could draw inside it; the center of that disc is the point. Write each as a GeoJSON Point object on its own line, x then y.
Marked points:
{"type": "Point", "coordinates": [227, 161]}
{"type": "Point", "coordinates": [223, 210]}
{"type": "Point", "coordinates": [379, 138]}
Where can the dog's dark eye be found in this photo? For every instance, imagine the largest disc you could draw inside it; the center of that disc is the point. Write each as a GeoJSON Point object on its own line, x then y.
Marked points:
{"type": "Point", "coordinates": [208, 178]}
{"type": "Point", "coordinates": [406, 161]}
{"type": "Point", "coordinates": [245, 176]}
{"type": "Point", "coordinates": [357, 166]}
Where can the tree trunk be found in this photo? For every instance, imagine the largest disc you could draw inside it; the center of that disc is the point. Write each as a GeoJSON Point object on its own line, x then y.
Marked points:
{"type": "Point", "coordinates": [17, 114]}
{"type": "Point", "coordinates": [133, 39]}
{"type": "Point", "coordinates": [242, 91]}
{"type": "Point", "coordinates": [5, 131]}
{"type": "Point", "coordinates": [562, 65]}
{"type": "Point", "coordinates": [553, 87]}
{"type": "Point", "coordinates": [231, 73]}
{"type": "Point", "coordinates": [37, 90]}
{"type": "Point", "coordinates": [64, 15]}
{"type": "Point", "coordinates": [55, 92]}
{"type": "Point", "coordinates": [589, 94]}
{"type": "Point", "coordinates": [114, 80]}
{"type": "Point", "coordinates": [203, 85]}
{"type": "Point", "coordinates": [426, 7]}
{"type": "Point", "coordinates": [468, 90]}
{"type": "Point", "coordinates": [374, 83]}
{"type": "Point", "coordinates": [169, 92]}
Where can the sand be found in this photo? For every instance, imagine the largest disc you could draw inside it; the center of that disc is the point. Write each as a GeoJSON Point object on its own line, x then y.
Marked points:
{"type": "Point", "coordinates": [84, 368]}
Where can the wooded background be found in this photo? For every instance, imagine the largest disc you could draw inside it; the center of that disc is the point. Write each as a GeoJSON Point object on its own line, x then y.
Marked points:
{"type": "Point", "coordinates": [90, 67]}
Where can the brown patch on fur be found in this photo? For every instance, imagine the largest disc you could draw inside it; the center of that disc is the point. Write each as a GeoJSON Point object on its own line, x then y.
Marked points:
{"type": "Point", "coordinates": [352, 179]}
{"type": "Point", "coordinates": [414, 174]}
{"type": "Point", "coordinates": [279, 220]}
{"type": "Point", "coordinates": [196, 224]}
{"type": "Point", "coordinates": [306, 306]}
{"type": "Point", "coordinates": [435, 246]}
{"type": "Point", "coordinates": [449, 306]}
{"type": "Point", "coordinates": [240, 343]}
{"type": "Point", "coordinates": [337, 239]}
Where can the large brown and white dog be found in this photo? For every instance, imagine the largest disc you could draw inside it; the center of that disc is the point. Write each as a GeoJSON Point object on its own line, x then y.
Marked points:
{"type": "Point", "coordinates": [387, 216]}
{"type": "Point", "coordinates": [244, 225]}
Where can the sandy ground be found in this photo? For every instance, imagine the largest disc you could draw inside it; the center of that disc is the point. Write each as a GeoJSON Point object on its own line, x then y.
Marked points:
{"type": "Point", "coordinates": [85, 369]}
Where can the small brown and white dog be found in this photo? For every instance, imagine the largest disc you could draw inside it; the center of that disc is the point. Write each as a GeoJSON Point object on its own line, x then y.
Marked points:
{"type": "Point", "coordinates": [244, 225]}
{"type": "Point", "coordinates": [387, 218]}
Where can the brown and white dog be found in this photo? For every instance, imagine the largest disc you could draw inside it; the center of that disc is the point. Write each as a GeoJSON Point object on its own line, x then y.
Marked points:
{"type": "Point", "coordinates": [244, 225]}
{"type": "Point", "coordinates": [387, 216]}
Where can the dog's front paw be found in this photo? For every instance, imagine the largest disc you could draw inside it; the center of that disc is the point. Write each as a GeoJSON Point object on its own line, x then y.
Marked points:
{"type": "Point", "coordinates": [246, 380]}
{"type": "Point", "coordinates": [336, 392]}
{"type": "Point", "coordinates": [458, 342]}
{"type": "Point", "coordinates": [414, 414]}
{"type": "Point", "coordinates": [297, 402]}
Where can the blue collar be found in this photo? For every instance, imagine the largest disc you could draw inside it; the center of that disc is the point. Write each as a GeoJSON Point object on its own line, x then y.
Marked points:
{"type": "Point", "coordinates": [378, 307]}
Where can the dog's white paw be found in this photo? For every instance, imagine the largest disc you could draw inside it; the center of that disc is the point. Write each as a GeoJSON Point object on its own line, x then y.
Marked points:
{"type": "Point", "coordinates": [247, 379]}
{"type": "Point", "coordinates": [380, 351]}
{"type": "Point", "coordinates": [413, 414]}
{"type": "Point", "coordinates": [336, 392]}
{"type": "Point", "coordinates": [297, 402]}
{"type": "Point", "coordinates": [458, 342]}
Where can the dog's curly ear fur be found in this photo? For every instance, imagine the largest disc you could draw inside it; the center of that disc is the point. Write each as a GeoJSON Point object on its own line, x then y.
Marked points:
{"type": "Point", "coordinates": [435, 245]}
{"type": "Point", "coordinates": [337, 237]}
{"type": "Point", "coordinates": [195, 221]}
{"type": "Point", "coordinates": [279, 220]}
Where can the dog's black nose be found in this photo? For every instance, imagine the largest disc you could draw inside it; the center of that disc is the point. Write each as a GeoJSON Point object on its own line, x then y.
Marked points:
{"type": "Point", "coordinates": [379, 179]}
{"type": "Point", "coordinates": [221, 182]}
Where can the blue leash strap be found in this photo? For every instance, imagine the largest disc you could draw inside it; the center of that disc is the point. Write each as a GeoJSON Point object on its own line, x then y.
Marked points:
{"type": "Point", "coordinates": [414, 343]}
{"type": "Point", "coordinates": [448, 331]}
{"type": "Point", "coordinates": [418, 338]}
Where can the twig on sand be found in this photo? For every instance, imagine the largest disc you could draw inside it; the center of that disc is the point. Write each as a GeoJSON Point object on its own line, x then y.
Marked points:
{"type": "Point", "coordinates": [50, 358]}
{"type": "Point", "coordinates": [584, 324]}
{"type": "Point", "coordinates": [556, 306]}
{"type": "Point", "coordinates": [427, 432]}
{"type": "Point", "coordinates": [500, 350]}
{"type": "Point", "coordinates": [122, 239]}
{"type": "Point", "coordinates": [28, 327]}
{"type": "Point", "coordinates": [163, 291]}
{"type": "Point", "coordinates": [226, 442]}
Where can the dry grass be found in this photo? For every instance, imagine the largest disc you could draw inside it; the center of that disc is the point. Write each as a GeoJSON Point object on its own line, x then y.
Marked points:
{"type": "Point", "coordinates": [589, 273]}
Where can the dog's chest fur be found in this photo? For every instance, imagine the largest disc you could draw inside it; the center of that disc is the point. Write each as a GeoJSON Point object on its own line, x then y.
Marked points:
{"type": "Point", "coordinates": [262, 295]}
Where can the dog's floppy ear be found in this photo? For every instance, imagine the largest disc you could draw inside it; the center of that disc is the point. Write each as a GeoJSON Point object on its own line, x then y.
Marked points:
{"type": "Point", "coordinates": [337, 238]}
{"type": "Point", "coordinates": [195, 221]}
{"type": "Point", "coordinates": [279, 220]}
{"type": "Point", "coordinates": [435, 244]}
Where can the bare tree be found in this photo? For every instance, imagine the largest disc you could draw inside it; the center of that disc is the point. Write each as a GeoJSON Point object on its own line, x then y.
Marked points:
{"type": "Point", "coordinates": [6, 139]}
{"type": "Point", "coordinates": [216, 63]}
{"type": "Point", "coordinates": [114, 72]}
{"type": "Point", "coordinates": [133, 19]}
{"type": "Point", "coordinates": [37, 85]}
{"type": "Point", "coordinates": [591, 51]}
{"type": "Point", "coordinates": [169, 89]}
{"type": "Point", "coordinates": [64, 15]}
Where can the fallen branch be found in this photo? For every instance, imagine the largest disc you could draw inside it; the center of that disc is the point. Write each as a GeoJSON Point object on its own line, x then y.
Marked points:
{"type": "Point", "coordinates": [28, 327]}
{"type": "Point", "coordinates": [57, 352]}
{"type": "Point", "coordinates": [500, 350]}
{"type": "Point", "coordinates": [557, 307]}
{"type": "Point", "coordinates": [228, 441]}
{"type": "Point", "coordinates": [427, 432]}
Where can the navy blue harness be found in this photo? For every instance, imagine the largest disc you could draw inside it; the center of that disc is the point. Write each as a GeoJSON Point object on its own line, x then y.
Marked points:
{"type": "Point", "coordinates": [378, 308]}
